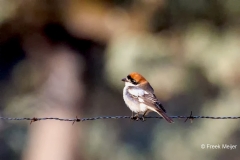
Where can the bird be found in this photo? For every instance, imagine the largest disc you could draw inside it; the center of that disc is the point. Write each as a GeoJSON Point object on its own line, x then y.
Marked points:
{"type": "Point", "coordinates": [139, 96]}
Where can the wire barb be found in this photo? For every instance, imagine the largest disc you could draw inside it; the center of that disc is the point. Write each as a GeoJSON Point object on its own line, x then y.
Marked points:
{"type": "Point", "coordinates": [76, 120]}
{"type": "Point", "coordinates": [190, 117]}
{"type": "Point", "coordinates": [34, 119]}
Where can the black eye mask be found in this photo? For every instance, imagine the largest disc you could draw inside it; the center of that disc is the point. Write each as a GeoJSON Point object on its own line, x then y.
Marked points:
{"type": "Point", "coordinates": [132, 80]}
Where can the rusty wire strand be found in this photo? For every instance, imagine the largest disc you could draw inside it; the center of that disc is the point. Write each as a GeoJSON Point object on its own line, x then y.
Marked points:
{"type": "Point", "coordinates": [191, 117]}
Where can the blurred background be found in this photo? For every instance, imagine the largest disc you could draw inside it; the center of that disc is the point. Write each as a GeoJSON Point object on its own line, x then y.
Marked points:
{"type": "Point", "coordinates": [66, 58]}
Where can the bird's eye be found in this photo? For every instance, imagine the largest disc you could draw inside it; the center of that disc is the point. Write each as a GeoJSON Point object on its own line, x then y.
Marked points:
{"type": "Point", "coordinates": [133, 81]}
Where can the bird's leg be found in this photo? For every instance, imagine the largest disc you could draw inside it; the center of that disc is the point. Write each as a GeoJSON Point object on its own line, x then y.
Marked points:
{"type": "Point", "coordinates": [143, 116]}
{"type": "Point", "coordinates": [135, 117]}
{"type": "Point", "coordinates": [132, 117]}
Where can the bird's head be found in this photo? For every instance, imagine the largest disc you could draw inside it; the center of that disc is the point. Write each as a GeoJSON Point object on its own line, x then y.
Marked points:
{"type": "Point", "coordinates": [134, 79]}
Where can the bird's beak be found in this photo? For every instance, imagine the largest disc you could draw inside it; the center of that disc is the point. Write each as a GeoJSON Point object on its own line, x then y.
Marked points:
{"type": "Point", "coordinates": [124, 80]}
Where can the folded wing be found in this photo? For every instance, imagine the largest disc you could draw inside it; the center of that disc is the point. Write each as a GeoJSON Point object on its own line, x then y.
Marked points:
{"type": "Point", "coordinates": [148, 98]}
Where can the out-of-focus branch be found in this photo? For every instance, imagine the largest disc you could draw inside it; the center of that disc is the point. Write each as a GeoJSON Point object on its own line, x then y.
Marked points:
{"type": "Point", "coordinates": [60, 95]}
{"type": "Point", "coordinates": [103, 21]}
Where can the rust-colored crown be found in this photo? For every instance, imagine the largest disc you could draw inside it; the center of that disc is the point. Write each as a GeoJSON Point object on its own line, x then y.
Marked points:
{"type": "Point", "coordinates": [138, 77]}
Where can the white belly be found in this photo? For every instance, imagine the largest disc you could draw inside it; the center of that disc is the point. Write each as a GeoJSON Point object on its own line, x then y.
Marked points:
{"type": "Point", "coordinates": [133, 104]}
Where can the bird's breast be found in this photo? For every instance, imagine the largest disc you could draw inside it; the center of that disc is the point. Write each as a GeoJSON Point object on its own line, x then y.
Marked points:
{"type": "Point", "coordinates": [132, 102]}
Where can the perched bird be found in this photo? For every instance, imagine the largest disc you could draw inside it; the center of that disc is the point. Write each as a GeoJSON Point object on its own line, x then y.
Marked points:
{"type": "Point", "coordinates": [139, 96]}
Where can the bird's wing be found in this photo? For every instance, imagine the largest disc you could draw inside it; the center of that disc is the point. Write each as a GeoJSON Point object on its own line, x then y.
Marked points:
{"type": "Point", "coordinates": [146, 97]}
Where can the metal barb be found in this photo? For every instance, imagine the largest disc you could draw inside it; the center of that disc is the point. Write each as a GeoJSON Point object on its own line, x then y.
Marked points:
{"type": "Point", "coordinates": [76, 120]}
{"type": "Point", "coordinates": [34, 119]}
{"type": "Point", "coordinates": [190, 117]}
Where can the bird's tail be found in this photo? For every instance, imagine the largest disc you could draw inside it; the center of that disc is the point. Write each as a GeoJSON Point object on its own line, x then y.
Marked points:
{"type": "Point", "coordinates": [164, 115]}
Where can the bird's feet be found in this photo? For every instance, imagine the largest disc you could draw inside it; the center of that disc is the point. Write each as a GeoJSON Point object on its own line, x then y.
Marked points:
{"type": "Point", "coordinates": [135, 117]}
{"type": "Point", "coordinates": [142, 119]}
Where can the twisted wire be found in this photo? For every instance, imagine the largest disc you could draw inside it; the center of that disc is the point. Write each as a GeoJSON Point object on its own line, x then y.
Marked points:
{"type": "Point", "coordinates": [34, 119]}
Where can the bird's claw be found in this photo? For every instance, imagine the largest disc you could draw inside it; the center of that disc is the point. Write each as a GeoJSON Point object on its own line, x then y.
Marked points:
{"type": "Point", "coordinates": [135, 118]}
{"type": "Point", "coordinates": [142, 119]}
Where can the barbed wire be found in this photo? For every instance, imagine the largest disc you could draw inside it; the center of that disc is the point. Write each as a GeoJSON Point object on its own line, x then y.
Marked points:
{"type": "Point", "coordinates": [191, 117]}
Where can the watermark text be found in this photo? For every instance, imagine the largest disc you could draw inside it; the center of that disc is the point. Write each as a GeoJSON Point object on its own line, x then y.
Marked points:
{"type": "Point", "coordinates": [219, 146]}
